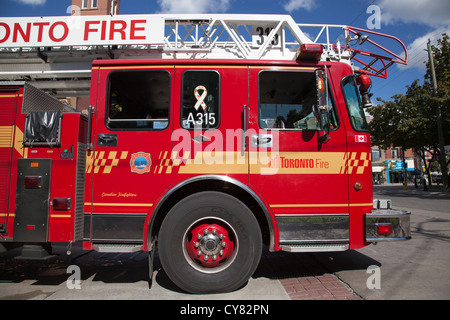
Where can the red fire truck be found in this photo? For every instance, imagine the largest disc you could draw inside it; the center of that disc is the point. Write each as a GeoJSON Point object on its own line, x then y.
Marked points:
{"type": "Point", "coordinates": [206, 138]}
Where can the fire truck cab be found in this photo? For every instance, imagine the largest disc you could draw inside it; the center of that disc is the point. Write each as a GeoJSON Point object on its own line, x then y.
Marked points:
{"type": "Point", "coordinates": [205, 159]}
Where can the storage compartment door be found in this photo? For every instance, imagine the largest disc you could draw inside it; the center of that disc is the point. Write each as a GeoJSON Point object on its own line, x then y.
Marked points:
{"type": "Point", "coordinates": [32, 200]}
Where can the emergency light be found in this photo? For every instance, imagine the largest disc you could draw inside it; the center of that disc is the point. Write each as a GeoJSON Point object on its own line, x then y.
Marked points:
{"type": "Point", "coordinates": [309, 51]}
{"type": "Point", "coordinates": [364, 82]}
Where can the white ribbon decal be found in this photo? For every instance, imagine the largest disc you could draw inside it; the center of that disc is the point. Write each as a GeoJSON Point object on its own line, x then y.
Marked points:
{"type": "Point", "coordinates": [200, 98]}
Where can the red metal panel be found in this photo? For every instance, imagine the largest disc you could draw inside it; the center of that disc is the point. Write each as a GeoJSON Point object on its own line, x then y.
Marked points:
{"type": "Point", "coordinates": [359, 168]}
{"type": "Point", "coordinates": [8, 104]}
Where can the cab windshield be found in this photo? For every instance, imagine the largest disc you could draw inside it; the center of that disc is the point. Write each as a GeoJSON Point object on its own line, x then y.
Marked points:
{"type": "Point", "coordinates": [353, 102]}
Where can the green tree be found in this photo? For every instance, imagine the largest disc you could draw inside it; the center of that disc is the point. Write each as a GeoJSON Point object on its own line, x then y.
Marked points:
{"type": "Point", "coordinates": [441, 97]}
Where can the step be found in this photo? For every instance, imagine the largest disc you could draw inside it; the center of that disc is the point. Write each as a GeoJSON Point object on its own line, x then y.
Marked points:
{"type": "Point", "coordinates": [117, 247]}
{"type": "Point", "coordinates": [322, 247]}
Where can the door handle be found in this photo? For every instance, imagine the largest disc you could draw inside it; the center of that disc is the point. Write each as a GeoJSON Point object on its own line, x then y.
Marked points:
{"type": "Point", "coordinates": [244, 128]}
{"type": "Point", "coordinates": [107, 140]}
{"type": "Point", "coordinates": [90, 122]}
{"type": "Point", "coordinates": [262, 140]}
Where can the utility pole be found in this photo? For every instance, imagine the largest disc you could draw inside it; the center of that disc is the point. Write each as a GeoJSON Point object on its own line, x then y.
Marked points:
{"type": "Point", "coordinates": [442, 158]}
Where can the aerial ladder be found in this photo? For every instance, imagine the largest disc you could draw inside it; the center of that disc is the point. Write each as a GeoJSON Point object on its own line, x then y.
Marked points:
{"type": "Point", "coordinates": [55, 53]}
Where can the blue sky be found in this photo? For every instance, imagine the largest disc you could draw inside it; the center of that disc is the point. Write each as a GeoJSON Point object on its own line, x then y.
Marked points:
{"type": "Point", "coordinates": [411, 21]}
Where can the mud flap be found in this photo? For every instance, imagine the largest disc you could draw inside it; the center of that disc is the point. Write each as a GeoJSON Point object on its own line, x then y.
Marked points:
{"type": "Point", "coordinates": [151, 256]}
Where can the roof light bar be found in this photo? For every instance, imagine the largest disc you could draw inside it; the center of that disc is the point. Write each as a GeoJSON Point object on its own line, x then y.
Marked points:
{"type": "Point", "coordinates": [308, 51]}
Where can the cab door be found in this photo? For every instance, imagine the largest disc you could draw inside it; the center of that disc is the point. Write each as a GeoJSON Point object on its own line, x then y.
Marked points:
{"type": "Point", "coordinates": [208, 138]}
{"type": "Point", "coordinates": [132, 132]}
{"type": "Point", "coordinates": [298, 168]}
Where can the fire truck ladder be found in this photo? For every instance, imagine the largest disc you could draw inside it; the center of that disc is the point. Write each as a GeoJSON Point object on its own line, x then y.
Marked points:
{"type": "Point", "coordinates": [376, 63]}
{"type": "Point", "coordinates": [65, 70]}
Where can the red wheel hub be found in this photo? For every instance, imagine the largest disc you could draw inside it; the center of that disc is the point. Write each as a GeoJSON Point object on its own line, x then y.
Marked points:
{"type": "Point", "coordinates": [210, 243]}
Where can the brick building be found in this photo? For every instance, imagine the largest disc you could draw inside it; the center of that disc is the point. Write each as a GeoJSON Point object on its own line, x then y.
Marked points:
{"type": "Point", "coordinates": [96, 7]}
{"type": "Point", "coordinates": [388, 166]}
{"type": "Point", "coordinates": [91, 8]}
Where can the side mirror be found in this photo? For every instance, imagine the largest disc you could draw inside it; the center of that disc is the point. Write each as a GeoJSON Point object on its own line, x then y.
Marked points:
{"type": "Point", "coordinates": [325, 120]}
{"type": "Point", "coordinates": [322, 109]}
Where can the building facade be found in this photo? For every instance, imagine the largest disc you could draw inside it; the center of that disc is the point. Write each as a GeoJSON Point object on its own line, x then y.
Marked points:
{"type": "Point", "coordinates": [91, 8]}
{"type": "Point", "coordinates": [95, 7]}
{"type": "Point", "coordinates": [392, 166]}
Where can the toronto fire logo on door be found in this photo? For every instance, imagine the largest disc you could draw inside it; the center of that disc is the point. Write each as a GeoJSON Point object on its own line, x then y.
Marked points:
{"type": "Point", "coordinates": [140, 162]}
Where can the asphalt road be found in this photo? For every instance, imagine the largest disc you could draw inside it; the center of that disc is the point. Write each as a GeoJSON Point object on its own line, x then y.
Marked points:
{"type": "Point", "coordinates": [414, 269]}
{"type": "Point", "coordinates": [408, 270]}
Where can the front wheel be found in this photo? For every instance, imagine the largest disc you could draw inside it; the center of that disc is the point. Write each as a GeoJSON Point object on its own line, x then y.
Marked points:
{"type": "Point", "coordinates": [209, 242]}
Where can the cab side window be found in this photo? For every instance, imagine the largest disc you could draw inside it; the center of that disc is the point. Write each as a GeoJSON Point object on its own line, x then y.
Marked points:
{"type": "Point", "coordinates": [200, 98]}
{"type": "Point", "coordinates": [287, 100]}
{"type": "Point", "coordinates": [138, 100]}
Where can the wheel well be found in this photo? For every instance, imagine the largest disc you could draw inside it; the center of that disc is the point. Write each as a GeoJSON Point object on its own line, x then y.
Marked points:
{"type": "Point", "coordinates": [212, 185]}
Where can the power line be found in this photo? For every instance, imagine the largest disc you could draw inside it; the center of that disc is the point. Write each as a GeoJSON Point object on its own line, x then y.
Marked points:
{"type": "Point", "coordinates": [359, 15]}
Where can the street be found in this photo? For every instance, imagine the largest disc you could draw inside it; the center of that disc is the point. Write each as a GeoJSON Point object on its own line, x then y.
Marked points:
{"type": "Point", "coordinates": [407, 270]}
{"type": "Point", "coordinates": [414, 269]}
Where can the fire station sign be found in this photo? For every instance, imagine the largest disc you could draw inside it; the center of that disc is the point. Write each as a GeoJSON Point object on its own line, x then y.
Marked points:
{"type": "Point", "coordinates": [82, 31]}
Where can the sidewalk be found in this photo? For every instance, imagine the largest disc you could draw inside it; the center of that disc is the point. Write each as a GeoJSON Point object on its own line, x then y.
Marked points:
{"type": "Point", "coordinates": [323, 287]}
{"type": "Point", "coordinates": [303, 276]}
{"type": "Point", "coordinates": [397, 188]}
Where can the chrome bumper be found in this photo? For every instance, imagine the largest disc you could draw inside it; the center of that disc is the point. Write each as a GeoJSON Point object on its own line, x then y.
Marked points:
{"type": "Point", "coordinates": [382, 219]}
{"type": "Point", "coordinates": [398, 220]}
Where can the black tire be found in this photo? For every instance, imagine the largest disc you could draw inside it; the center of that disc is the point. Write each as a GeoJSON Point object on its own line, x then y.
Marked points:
{"type": "Point", "coordinates": [188, 243]}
